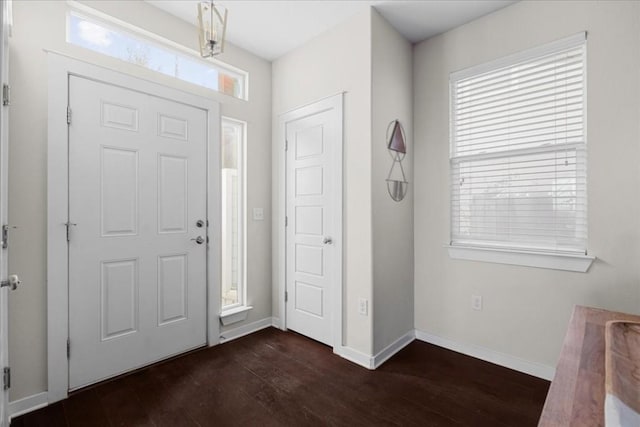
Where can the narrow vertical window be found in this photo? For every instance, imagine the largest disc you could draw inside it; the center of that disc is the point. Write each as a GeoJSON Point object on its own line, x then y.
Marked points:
{"type": "Point", "coordinates": [233, 213]}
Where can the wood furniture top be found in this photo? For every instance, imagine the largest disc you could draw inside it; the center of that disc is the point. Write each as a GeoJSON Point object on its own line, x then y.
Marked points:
{"type": "Point", "coordinates": [576, 395]}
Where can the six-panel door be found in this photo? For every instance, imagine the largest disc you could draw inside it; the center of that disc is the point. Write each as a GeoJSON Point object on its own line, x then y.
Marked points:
{"type": "Point", "coordinates": [137, 187]}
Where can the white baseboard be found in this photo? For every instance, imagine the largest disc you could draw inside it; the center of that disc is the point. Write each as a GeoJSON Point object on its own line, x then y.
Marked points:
{"type": "Point", "coordinates": [275, 322]}
{"type": "Point", "coordinates": [488, 355]}
{"type": "Point", "coordinates": [247, 329]}
{"type": "Point", "coordinates": [390, 350]}
{"type": "Point", "coordinates": [354, 356]}
{"type": "Point", "coordinates": [28, 404]}
{"type": "Point", "coordinates": [373, 362]}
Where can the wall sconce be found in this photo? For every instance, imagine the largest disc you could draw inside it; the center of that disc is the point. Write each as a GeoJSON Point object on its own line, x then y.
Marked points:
{"type": "Point", "coordinates": [396, 185]}
{"type": "Point", "coordinates": [212, 26]}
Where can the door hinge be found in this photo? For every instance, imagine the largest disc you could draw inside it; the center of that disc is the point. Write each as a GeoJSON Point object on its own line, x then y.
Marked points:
{"type": "Point", "coordinates": [286, 145]}
{"type": "Point", "coordinates": [68, 348]}
{"type": "Point", "coordinates": [6, 94]}
{"type": "Point", "coordinates": [6, 378]}
{"type": "Point", "coordinates": [68, 224]}
{"type": "Point", "coordinates": [5, 236]}
{"type": "Point", "coordinates": [286, 221]}
{"type": "Point", "coordinates": [286, 296]}
{"type": "Point", "coordinates": [68, 115]}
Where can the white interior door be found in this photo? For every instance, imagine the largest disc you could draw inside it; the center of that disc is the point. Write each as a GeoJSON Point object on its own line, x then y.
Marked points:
{"type": "Point", "coordinates": [311, 186]}
{"type": "Point", "coordinates": [137, 191]}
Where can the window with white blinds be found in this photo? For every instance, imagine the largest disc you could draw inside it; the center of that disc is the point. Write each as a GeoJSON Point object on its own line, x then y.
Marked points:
{"type": "Point", "coordinates": [518, 151]}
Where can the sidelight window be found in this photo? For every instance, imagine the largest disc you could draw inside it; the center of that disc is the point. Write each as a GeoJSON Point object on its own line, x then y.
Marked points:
{"type": "Point", "coordinates": [233, 213]}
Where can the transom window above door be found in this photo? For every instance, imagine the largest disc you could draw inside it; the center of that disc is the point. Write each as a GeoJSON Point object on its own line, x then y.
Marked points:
{"type": "Point", "coordinates": [100, 33]}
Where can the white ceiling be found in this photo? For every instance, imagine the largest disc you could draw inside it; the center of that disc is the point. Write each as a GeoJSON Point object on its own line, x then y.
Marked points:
{"type": "Point", "coordinates": [270, 28]}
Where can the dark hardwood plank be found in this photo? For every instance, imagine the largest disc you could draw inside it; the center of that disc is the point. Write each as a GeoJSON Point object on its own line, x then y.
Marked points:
{"type": "Point", "coordinates": [52, 415]}
{"type": "Point", "coordinates": [275, 378]}
{"type": "Point", "coordinates": [84, 409]}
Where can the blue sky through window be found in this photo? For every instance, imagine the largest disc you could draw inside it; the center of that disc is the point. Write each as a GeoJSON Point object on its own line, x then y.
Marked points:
{"type": "Point", "coordinates": [118, 44]}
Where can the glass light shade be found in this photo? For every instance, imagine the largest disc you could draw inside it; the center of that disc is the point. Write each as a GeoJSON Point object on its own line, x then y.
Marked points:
{"type": "Point", "coordinates": [212, 25]}
{"type": "Point", "coordinates": [396, 142]}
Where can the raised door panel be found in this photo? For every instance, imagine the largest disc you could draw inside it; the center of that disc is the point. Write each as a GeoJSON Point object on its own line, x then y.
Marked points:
{"type": "Point", "coordinates": [309, 299]}
{"type": "Point", "coordinates": [309, 220]}
{"type": "Point", "coordinates": [309, 260]}
{"type": "Point", "coordinates": [173, 127]}
{"type": "Point", "coordinates": [308, 142]}
{"type": "Point", "coordinates": [172, 194]}
{"type": "Point", "coordinates": [119, 298]}
{"type": "Point", "coordinates": [119, 192]}
{"type": "Point", "coordinates": [308, 181]}
{"type": "Point", "coordinates": [119, 116]}
{"type": "Point", "coordinates": [172, 288]}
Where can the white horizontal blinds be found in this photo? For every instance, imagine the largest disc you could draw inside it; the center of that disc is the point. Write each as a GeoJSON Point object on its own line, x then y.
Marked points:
{"type": "Point", "coordinates": [518, 152]}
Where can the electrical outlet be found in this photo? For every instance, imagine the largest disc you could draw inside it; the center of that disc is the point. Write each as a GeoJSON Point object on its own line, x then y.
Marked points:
{"type": "Point", "coordinates": [476, 302]}
{"type": "Point", "coordinates": [363, 306]}
{"type": "Point", "coordinates": [258, 214]}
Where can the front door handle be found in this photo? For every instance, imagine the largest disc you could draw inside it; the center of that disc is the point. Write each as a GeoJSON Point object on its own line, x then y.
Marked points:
{"type": "Point", "coordinates": [199, 240]}
{"type": "Point", "coordinates": [327, 240]}
{"type": "Point", "coordinates": [12, 283]}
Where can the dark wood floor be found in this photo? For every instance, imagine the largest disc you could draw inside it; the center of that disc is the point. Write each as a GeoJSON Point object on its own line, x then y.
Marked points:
{"type": "Point", "coordinates": [274, 378]}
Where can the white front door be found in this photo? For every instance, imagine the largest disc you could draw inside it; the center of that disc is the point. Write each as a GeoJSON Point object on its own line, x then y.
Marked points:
{"type": "Point", "coordinates": [312, 233]}
{"type": "Point", "coordinates": [137, 194]}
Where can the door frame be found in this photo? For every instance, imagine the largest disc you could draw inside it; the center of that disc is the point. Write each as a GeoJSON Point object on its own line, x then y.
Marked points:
{"type": "Point", "coordinates": [333, 103]}
{"type": "Point", "coordinates": [5, 22]}
{"type": "Point", "coordinates": [61, 67]}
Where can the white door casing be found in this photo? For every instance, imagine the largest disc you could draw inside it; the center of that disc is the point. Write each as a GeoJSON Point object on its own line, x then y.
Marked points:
{"type": "Point", "coordinates": [137, 187]}
{"type": "Point", "coordinates": [62, 70]}
{"type": "Point", "coordinates": [311, 245]}
{"type": "Point", "coordinates": [4, 190]}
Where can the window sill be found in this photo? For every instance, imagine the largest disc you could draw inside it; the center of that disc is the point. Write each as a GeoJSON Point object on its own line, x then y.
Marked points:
{"type": "Point", "coordinates": [235, 315]}
{"type": "Point", "coordinates": [555, 261]}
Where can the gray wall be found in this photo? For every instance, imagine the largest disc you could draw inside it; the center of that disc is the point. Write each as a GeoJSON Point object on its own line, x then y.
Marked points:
{"type": "Point", "coordinates": [338, 60]}
{"type": "Point", "coordinates": [369, 61]}
{"type": "Point", "coordinates": [41, 24]}
{"type": "Point", "coordinates": [526, 310]}
{"type": "Point", "coordinates": [392, 98]}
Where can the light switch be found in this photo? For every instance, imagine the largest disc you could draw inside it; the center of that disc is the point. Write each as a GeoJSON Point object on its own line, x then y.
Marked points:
{"type": "Point", "coordinates": [258, 214]}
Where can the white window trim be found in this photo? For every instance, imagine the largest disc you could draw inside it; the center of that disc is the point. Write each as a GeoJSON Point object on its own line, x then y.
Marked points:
{"type": "Point", "coordinates": [566, 261]}
{"type": "Point", "coordinates": [238, 312]}
{"type": "Point", "coordinates": [556, 261]}
{"type": "Point", "coordinates": [110, 21]}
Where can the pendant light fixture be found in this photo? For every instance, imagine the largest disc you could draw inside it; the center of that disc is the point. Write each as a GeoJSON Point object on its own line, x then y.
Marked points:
{"type": "Point", "coordinates": [212, 25]}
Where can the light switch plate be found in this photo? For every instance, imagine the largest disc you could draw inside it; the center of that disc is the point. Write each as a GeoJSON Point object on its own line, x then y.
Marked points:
{"type": "Point", "coordinates": [258, 214]}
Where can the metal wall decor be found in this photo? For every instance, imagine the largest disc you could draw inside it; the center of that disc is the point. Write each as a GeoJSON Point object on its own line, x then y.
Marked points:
{"type": "Point", "coordinates": [397, 183]}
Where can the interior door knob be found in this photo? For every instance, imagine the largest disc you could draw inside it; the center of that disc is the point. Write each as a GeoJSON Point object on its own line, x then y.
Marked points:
{"type": "Point", "coordinates": [327, 240]}
{"type": "Point", "coordinates": [199, 240]}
